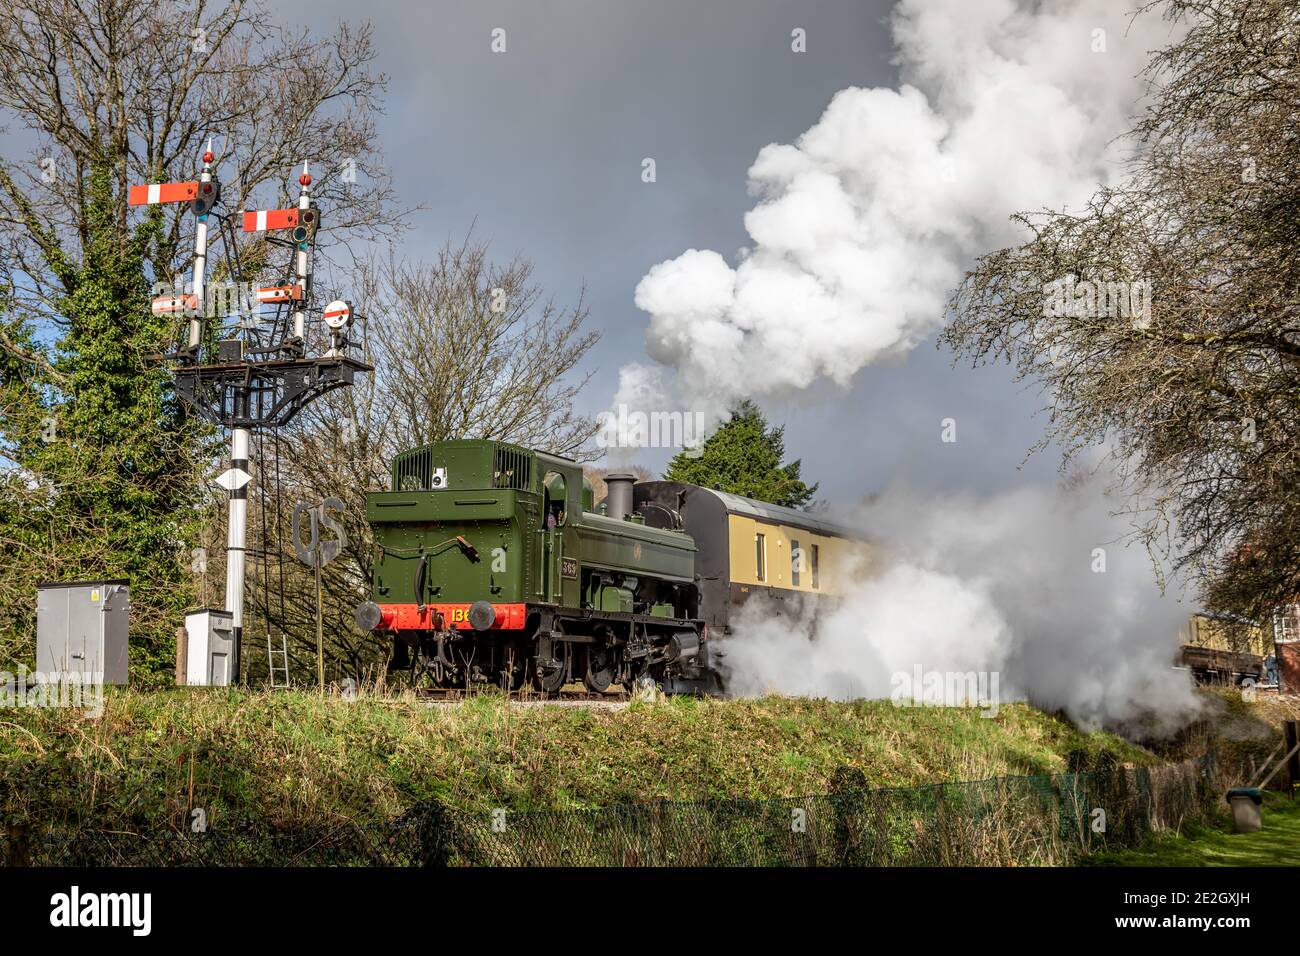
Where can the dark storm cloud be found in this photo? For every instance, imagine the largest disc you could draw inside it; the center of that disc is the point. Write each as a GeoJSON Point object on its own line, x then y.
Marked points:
{"type": "Point", "coordinates": [540, 148]}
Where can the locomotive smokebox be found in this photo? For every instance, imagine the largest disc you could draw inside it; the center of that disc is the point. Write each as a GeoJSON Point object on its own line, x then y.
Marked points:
{"type": "Point", "coordinates": [618, 495]}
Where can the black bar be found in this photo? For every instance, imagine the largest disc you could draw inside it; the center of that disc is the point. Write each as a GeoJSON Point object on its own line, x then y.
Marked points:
{"type": "Point", "coordinates": [913, 910]}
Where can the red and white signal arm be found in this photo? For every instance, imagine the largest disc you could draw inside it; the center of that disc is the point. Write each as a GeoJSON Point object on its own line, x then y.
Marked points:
{"type": "Point", "coordinates": [167, 304]}
{"type": "Point", "coordinates": [156, 193]}
{"type": "Point", "coordinates": [338, 314]}
{"type": "Point", "coordinates": [279, 293]}
{"type": "Point", "coordinates": [260, 220]}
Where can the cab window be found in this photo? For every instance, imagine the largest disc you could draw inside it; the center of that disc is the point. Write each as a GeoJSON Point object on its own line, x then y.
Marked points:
{"type": "Point", "coordinates": [553, 514]}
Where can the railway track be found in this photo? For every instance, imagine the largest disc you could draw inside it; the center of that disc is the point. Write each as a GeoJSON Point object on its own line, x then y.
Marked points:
{"type": "Point", "coordinates": [526, 698]}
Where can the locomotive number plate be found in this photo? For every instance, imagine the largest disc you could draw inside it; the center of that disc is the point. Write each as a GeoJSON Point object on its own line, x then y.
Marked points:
{"type": "Point", "coordinates": [569, 567]}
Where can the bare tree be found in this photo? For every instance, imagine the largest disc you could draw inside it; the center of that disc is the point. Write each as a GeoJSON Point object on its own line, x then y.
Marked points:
{"type": "Point", "coordinates": [1165, 318]}
{"type": "Point", "coordinates": [110, 93]}
{"type": "Point", "coordinates": [141, 86]}
{"type": "Point", "coordinates": [463, 347]}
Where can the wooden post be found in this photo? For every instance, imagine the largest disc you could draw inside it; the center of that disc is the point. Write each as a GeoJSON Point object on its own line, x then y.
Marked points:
{"type": "Point", "coordinates": [320, 630]}
{"type": "Point", "coordinates": [19, 849]}
{"type": "Point", "coordinates": [1292, 731]}
{"type": "Point", "coordinates": [182, 656]}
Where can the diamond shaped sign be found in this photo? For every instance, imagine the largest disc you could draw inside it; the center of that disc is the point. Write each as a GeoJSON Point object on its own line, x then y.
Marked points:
{"type": "Point", "coordinates": [234, 478]}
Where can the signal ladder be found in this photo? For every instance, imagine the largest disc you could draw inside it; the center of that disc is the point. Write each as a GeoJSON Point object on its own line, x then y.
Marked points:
{"type": "Point", "coordinates": [283, 653]}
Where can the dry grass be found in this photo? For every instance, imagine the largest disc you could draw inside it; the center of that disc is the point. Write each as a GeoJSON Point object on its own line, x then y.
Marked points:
{"type": "Point", "coordinates": [291, 758]}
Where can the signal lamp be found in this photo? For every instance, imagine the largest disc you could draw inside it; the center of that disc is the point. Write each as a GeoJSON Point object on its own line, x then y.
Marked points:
{"type": "Point", "coordinates": [206, 197]}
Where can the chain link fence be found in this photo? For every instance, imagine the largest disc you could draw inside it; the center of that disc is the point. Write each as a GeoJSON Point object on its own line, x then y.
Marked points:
{"type": "Point", "coordinates": [1006, 821]}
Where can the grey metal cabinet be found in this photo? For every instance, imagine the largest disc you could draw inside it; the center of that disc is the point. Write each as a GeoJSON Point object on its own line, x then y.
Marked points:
{"type": "Point", "coordinates": [82, 627]}
{"type": "Point", "coordinates": [210, 647]}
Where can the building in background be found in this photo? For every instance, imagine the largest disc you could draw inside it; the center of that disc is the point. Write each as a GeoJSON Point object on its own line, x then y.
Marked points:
{"type": "Point", "coordinates": [1286, 647]}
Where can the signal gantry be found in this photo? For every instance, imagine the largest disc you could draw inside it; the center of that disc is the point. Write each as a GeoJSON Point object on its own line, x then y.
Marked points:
{"type": "Point", "coordinates": [258, 374]}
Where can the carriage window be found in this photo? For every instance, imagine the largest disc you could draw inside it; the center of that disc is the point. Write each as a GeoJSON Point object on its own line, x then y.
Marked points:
{"type": "Point", "coordinates": [816, 584]}
{"type": "Point", "coordinates": [760, 543]}
{"type": "Point", "coordinates": [796, 559]}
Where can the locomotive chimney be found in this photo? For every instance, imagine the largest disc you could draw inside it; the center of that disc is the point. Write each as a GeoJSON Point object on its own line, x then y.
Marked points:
{"type": "Point", "coordinates": [618, 494]}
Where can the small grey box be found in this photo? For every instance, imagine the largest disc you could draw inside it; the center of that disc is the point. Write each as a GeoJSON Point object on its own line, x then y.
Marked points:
{"type": "Point", "coordinates": [82, 628]}
{"type": "Point", "coordinates": [230, 350]}
{"type": "Point", "coordinates": [210, 647]}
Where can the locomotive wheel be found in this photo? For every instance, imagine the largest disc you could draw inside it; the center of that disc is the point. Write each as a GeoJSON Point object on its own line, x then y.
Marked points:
{"type": "Point", "coordinates": [549, 681]}
{"type": "Point", "coordinates": [600, 670]}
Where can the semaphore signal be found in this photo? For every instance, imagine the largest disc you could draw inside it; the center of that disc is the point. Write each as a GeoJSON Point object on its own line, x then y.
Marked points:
{"type": "Point", "coordinates": [279, 293]}
{"type": "Point", "coordinates": [260, 375]}
{"type": "Point", "coordinates": [167, 304]}
{"type": "Point", "coordinates": [262, 220]}
{"type": "Point", "coordinates": [157, 193]}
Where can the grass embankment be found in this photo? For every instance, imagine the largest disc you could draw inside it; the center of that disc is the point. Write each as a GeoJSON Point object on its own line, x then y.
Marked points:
{"type": "Point", "coordinates": [291, 758]}
{"type": "Point", "coordinates": [1218, 844]}
{"type": "Point", "coordinates": [1245, 735]}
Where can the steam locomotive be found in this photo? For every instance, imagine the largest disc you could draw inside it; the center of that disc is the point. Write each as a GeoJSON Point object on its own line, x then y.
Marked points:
{"type": "Point", "coordinates": [494, 565]}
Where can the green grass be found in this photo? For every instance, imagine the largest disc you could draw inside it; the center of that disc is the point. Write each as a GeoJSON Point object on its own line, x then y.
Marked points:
{"type": "Point", "coordinates": [1276, 844]}
{"type": "Point", "coordinates": [293, 758]}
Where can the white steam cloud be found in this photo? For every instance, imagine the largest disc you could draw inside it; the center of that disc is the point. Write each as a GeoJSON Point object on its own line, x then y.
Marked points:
{"type": "Point", "coordinates": [861, 229]}
{"type": "Point", "coordinates": [866, 222]}
{"type": "Point", "coordinates": [1008, 585]}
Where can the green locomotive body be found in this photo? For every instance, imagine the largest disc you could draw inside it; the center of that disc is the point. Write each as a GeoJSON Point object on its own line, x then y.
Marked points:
{"type": "Point", "coordinates": [494, 566]}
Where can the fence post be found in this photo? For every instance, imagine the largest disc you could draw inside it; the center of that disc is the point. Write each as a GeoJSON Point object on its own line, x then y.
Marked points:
{"type": "Point", "coordinates": [18, 847]}
{"type": "Point", "coordinates": [1291, 729]}
{"type": "Point", "coordinates": [846, 800]}
{"type": "Point", "coordinates": [657, 829]}
{"type": "Point", "coordinates": [432, 831]}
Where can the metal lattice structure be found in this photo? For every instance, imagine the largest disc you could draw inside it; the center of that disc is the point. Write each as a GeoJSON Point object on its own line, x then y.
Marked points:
{"type": "Point", "coordinates": [262, 394]}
